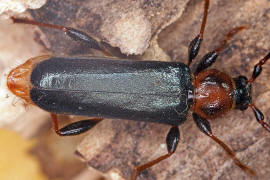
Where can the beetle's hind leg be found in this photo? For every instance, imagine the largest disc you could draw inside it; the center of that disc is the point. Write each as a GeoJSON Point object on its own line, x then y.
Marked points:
{"type": "Point", "coordinates": [74, 128]}
{"type": "Point", "coordinates": [74, 34]}
{"type": "Point", "coordinates": [171, 141]}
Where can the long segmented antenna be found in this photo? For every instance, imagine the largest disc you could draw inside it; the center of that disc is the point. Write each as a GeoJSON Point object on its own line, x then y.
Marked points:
{"type": "Point", "coordinates": [256, 72]}
{"type": "Point", "coordinates": [258, 68]}
{"type": "Point", "coordinates": [260, 117]}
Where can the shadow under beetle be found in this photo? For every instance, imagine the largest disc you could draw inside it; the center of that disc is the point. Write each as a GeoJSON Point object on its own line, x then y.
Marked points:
{"type": "Point", "coordinates": [149, 91]}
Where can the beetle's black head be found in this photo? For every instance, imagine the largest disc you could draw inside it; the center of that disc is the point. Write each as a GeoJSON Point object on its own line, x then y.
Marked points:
{"type": "Point", "coordinates": [242, 93]}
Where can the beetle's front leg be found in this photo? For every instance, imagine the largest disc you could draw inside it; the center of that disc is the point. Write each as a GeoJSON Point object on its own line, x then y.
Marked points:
{"type": "Point", "coordinates": [75, 128]}
{"type": "Point", "coordinates": [205, 127]}
{"type": "Point", "coordinates": [171, 141]}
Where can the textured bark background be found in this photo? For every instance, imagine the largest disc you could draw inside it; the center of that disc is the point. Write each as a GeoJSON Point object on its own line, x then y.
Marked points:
{"type": "Point", "coordinates": [146, 26]}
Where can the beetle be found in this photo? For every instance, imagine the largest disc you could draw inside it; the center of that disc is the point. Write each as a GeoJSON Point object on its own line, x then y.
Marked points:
{"type": "Point", "coordinates": [161, 92]}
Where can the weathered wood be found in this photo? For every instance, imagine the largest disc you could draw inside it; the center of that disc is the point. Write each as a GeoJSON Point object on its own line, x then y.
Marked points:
{"type": "Point", "coordinates": [128, 25]}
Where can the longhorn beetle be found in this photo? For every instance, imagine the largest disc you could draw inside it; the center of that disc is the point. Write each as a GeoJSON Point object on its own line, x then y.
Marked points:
{"type": "Point", "coordinates": [150, 91]}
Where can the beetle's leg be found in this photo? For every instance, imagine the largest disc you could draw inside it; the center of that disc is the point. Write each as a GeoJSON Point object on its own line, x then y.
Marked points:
{"type": "Point", "coordinates": [171, 141]}
{"type": "Point", "coordinates": [205, 127]}
{"type": "Point", "coordinates": [195, 44]}
{"type": "Point", "coordinates": [74, 128]}
{"type": "Point", "coordinates": [211, 57]}
{"type": "Point", "coordinates": [75, 34]}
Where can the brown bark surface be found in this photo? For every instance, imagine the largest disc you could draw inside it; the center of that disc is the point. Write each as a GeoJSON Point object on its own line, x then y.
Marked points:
{"type": "Point", "coordinates": [124, 144]}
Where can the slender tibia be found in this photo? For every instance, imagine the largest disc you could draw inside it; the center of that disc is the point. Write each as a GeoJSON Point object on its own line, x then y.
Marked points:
{"type": "Point", "coordinates": [75, 34]}
{"type": "Point", "coordinates": [36, 23]}
{"type": "Point", "coordinates": [229, 36]}
{"type": "Point", "coordinates": [171, 141]}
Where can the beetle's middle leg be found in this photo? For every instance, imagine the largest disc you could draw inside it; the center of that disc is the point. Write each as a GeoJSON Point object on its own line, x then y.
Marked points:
{"type": "Point", "coordinates": [171, 141]}
{"type": "Point", "coordinates": [211, 57]}
{"type": "Point", "coordinates": [74, 128]}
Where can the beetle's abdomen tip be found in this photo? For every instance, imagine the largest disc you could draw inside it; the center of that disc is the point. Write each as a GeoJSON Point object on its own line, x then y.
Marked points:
{"type": "Point", "coordinates": [18, 79]}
